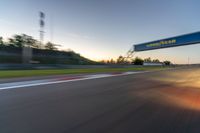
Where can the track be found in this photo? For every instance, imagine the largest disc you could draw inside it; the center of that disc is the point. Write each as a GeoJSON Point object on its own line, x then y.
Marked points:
{"type": "Point", "coordinates": [155, 102]}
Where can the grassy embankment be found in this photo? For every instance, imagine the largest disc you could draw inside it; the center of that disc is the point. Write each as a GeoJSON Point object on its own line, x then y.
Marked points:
{"type": "Point", "coordinates": [29, 73]}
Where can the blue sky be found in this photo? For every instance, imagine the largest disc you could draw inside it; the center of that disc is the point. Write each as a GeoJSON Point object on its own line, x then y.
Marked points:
{"type": "Point", "coordinates": [105, 29]}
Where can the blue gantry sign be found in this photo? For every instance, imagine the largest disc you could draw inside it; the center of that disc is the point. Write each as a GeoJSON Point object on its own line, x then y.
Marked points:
{"type": "Point", "coordinates": [182, 40]}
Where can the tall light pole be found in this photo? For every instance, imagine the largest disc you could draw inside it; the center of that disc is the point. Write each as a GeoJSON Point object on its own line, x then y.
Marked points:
{"type": "Point", "coordinates": [42, 24]}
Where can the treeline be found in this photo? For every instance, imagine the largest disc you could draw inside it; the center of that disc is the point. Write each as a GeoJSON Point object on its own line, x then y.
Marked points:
{"type": "Point", "coordinates": [134, 61]}
{"type": "Point", "coordinates": [11, 52]}
{"type": "Point", "coordinates": [19, 41]}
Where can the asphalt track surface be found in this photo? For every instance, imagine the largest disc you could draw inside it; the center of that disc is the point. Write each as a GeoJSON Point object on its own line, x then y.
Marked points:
{"type": "Point", "coordinates": [153, 102]}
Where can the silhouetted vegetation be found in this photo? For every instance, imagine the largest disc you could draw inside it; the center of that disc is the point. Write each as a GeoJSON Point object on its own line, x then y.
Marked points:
{"type": "Point", "coordinates": [149, 60]}
{"type": "Point", "coordinates": [135, 61]}
{"type": "Point", "coordinates": [11, 52]}
{"type": "Point", "coordinates": [50, 46]}
{"type": "Point", "coordinates": [138, 61]}
{"type": "Point", "coordinates": [167, 63]}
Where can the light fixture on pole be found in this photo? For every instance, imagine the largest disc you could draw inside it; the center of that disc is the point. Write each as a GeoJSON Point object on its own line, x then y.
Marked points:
{"type": "Point", "coordinates": [42, 24]}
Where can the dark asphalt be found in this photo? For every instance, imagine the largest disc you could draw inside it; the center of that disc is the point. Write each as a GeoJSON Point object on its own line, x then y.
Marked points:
{"type": "Point", "coordinates": [156, 102]}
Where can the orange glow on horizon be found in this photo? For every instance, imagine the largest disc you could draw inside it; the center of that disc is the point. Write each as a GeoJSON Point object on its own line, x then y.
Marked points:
{"type": "Point", "coordinates": [184, 90]}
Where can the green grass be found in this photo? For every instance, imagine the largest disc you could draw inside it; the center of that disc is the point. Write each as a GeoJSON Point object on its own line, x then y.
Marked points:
{"type": "Point", "coordinates": [29, 73]}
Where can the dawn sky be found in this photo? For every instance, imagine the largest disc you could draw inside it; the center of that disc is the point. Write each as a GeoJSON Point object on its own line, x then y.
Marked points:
{"type": "Point", "coordinates": [105, 29]}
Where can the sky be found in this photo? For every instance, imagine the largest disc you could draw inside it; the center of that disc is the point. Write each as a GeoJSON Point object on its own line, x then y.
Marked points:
{"type": "Point", "coordinates": [105, 29]}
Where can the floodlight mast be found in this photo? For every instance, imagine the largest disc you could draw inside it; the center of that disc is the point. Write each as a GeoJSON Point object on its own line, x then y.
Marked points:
{"type": "Point", "coordinates": [42, 24]}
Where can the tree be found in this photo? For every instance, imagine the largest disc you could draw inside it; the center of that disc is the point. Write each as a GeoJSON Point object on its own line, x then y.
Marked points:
{"type": "Point", "coordinates": [11, 42]}
{"type": "Point", "coordinates": [50, 46]}
{"type": "Point", "coordinates": [1, 41]}
{"type": "Point", "coordinates": [138, 61]}
{"type": "Point", "coordinates": [147, 59]}
{"type": "Point", "coordinates": [18, 41]}
{"type": "Point", "coordinates": [102, 62]}
{"type": "Point", "coordinates": [155, 61]}
{"type": "Point", "coordinates": [23, 41]}
{"type": "Point", "coordinates": [150, 60]}
{"type": "Point", "coordinates": [112, 61]}
{"type": "Point", "coordinates": [167, 63]}
{"type": "Point", "coordinates": [120, 60]}
{"type": "Point", "coordinates": [28, 41]}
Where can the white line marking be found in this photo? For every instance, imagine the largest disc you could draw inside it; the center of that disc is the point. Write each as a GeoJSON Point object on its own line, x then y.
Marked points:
{"type": "Point", "coordinates": [14, 85]}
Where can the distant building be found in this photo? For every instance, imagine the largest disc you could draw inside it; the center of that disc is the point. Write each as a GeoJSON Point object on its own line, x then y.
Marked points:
{"type": "Point", "coordinates": [153, 64]}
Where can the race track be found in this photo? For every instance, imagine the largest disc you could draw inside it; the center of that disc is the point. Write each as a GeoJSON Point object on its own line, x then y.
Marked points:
{"type": "Point", "coordinates": [152, 102]}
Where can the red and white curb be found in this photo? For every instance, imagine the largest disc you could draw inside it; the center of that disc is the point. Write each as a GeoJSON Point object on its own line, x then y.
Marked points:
{"type": "Point", "coordinates": [22, 84]}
